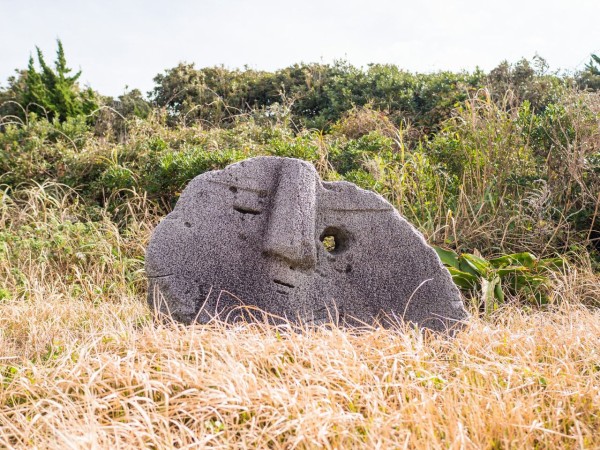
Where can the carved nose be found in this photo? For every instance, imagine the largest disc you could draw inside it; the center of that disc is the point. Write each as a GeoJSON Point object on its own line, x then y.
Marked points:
{"type": "Point", "coordinates": [291, 229]}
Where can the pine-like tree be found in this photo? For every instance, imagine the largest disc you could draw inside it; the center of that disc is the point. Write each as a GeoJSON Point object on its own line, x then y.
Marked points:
{"type": "Point", "coordinates": [590, 77]}
{"type": "Point", "coordinates": [591, 66]}
{"type": "Point", "coordinates": [53, 92]}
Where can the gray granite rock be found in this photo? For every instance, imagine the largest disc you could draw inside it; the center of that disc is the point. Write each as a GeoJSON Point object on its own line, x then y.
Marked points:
{"type": "Point", "coordinates": [266, 234]}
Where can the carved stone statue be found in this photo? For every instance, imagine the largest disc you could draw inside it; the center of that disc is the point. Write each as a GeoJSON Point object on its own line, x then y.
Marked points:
{"type": "Point", "coordinates": [266, 234]}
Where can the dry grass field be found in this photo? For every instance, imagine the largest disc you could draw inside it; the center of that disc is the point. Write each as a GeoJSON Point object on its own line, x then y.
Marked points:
{"type": "Point", "coordinates": [498, 168]}
{"type": "Point", "coordinates": [502, 167]}
{"type": "Point", "coordinates": [81, 376]}
{"type": "Point", "coordinates": [84, 365]}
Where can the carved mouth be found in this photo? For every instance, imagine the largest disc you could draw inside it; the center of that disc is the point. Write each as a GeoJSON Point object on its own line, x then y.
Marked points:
{"type": "Point", "coordinates": [283, 288]}
{"type": "Point", "coordinates": [247, 210]}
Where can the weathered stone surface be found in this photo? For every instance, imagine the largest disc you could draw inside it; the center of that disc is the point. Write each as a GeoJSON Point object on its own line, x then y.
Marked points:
{"type": "Point", "coordinates": [251, 234]}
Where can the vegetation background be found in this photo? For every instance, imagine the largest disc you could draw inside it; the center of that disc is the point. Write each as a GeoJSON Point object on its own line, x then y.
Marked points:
{"type": "Point", "coordinates": [501, 170]}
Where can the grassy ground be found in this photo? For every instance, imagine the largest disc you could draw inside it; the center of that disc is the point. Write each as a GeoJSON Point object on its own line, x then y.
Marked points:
{"type": "Point", "coordinates": [84, 365]}
{"type": "Point", "coordinates": [495, 165]}
{"type": "Point", "coordinates": [76, 375]}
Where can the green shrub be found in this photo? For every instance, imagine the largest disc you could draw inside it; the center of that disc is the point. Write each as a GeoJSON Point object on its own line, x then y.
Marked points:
{"type": "Point", "coordinates": [51, 93]}
{"type": "Point", "coordinates": [168, 174]}
{"type": "Point", "coordinates": [488, 280]}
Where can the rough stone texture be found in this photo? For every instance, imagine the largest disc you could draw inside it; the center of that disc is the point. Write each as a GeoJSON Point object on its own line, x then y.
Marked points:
{"type": "Point", "coordinates": [251, 234]}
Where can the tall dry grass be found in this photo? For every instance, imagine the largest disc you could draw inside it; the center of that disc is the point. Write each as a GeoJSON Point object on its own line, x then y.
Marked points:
{"type": "Point", "coordinates": [76, 375]}
{"type": "Point", "coordinates": [83, 365]}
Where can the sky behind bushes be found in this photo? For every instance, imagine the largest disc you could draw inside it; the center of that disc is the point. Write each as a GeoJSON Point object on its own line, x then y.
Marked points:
{"type": "Point", "coordinates": [119, 43]}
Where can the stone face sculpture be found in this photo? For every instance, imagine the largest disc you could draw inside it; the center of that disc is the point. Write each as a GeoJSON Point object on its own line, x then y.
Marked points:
{"type": "Point", "coordinates": [268, 233]}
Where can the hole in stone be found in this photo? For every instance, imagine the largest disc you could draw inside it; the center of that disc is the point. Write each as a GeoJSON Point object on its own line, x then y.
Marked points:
{"type": "Point", "coordinates": [334, 240]}
{"type": "Point", "coordinates": [187, 224]}
{"type": "Point", "coordinates": [348, 268]}
{"type": "Point", "coordinates": [233, 189]}
{"type": "Point", "coordinates": [329, 243]}
{"type": "Point", "coordinates": [245, 210]}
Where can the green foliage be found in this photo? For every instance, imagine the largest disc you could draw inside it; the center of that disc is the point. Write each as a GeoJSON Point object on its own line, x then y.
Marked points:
{"type": "Point", "coordinates": [507, 162]}
{"type": "Point", "coordinates": [591, 66]}
{"type": "Point", "coordinates": [168, 174]}
{"type": "Point", "coordinates": [302, 147]}
{"type": "Point", "coordinates": [352, 154]}
{"type": "Point", "coordinates": [133, 103]}
{"type": "Point", "coordinates": [517, 274]}
{"type": "Point", "coordinates": [4, 294]}
{"type": "Point", "coordinates": [566, 141]}
{"type": "Point", "coordinates": [48, 227]}
{"type": "Point", "coordinates": [485, 144]}
{"type": "Point", "coordinates": [317, 95]}
{"type": "Point", "coordinates": [590, 77]}
{"type": "Point", "coordinates": [52, 93]}
{"type": "Point", "coordinates": [41, 150]}
{"type": "Point", "coordinates": [525, 81]}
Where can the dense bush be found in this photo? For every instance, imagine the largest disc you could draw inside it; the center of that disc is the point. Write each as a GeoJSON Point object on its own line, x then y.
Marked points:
{"type": "Point", "coordinates": [503, 162]}
{"type": "Point", "coordinates": [491, 178]}
{"type": "Point", "coordinates": [317, 95]}
{"type": "Point", "coordinates": [52, 93]}
{"type": "Point", "coordinates": [590, 77]}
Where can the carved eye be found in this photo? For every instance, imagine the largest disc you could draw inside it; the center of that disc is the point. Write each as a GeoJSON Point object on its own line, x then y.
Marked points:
{"type": "Point", "coordinates": [246, 202]}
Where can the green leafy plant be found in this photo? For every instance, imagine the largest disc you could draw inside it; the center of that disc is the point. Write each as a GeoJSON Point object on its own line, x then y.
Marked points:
{"type": "Point", "coordinates": [589, 78]}
{"type": "Point", "coordinates": [53, 92]}
{"type": "Point", "coordinates": [516, 274]}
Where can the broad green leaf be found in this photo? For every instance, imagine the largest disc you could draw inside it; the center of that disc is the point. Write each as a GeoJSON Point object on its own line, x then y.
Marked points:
{"type": "Point", "coordinates": [511, 270]}
{"type": "Point", "coordinates": [479, 265]}
{"type": "Point", "coordinates": [528, 281]}
{"type": "Point", "coordinates": [464, 280]}
{"type": "Point", "coordinates": [525, 258]}
{"type": "Point", "coordinates": [498, 293]}
{"type": "Point", "coordinates": [552, 263]}
{"type": "Point", "coordinates": [448, 257]}
{"type": "Point", "coordinates": [464, 266]}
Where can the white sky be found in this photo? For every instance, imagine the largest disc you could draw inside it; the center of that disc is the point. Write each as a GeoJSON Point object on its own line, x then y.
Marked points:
{"type": "Point", "coordinates": [127, 42]}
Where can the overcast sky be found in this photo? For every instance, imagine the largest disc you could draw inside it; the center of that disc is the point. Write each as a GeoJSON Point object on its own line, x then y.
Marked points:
{"type": "Point", "coordinates": [120, 43]}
